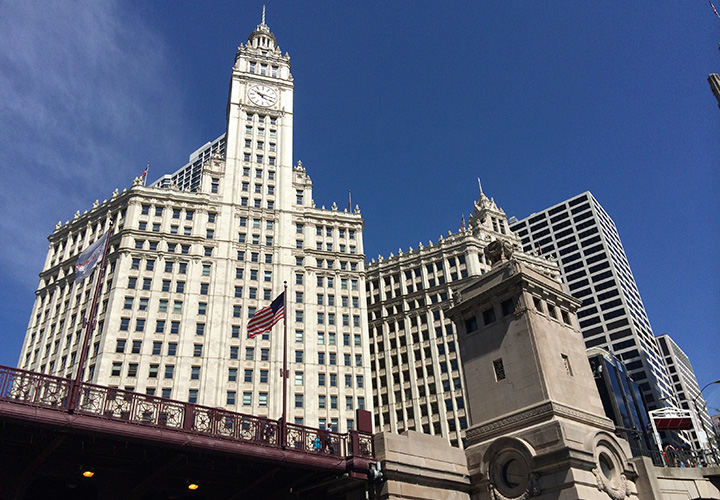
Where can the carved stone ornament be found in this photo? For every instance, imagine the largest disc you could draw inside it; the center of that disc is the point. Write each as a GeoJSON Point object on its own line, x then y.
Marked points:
{"type": "Point", "coordinates": [608, 472]}
{"type": "Point", "coordinates": [532, 491]}
{"type": "Point", "coordinates": [617, 491]}
{"type": "Point", "coordinates": [455, 297]}
{"type": "Point", "coordinates": [498, 251]}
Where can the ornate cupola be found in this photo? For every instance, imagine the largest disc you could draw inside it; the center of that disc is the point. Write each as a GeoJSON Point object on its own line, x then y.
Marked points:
{"type": "Point", "coordinates": [262, 38]}
{"type": "Point", "coordinates": [489, 219]}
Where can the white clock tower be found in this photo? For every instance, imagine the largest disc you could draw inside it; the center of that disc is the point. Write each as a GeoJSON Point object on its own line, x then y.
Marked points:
{"type": "Point", "coordinates": [260, 113]}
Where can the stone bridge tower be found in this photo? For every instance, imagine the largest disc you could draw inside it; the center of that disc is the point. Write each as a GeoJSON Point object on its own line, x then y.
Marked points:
{"type": "Point", "coordinates": [537, 428]}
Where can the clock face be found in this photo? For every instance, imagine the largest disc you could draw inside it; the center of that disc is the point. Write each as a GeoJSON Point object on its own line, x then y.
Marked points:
{"type": "Point", "coordinates": [262, 95]}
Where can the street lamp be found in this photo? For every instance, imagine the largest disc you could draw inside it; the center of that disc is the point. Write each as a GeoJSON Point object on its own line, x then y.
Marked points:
{"type": "Point", "coordinates": [697, 412]}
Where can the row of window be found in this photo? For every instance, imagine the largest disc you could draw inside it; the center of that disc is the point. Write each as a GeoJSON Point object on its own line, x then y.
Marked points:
{"type": "Point", "coordinates": [321, 317]}
{"type": "Point", "coordinates": [257, 203]}
{"type": "Point", "coordinates": [328, 231]}
{"type": "Point", "coordinates": [329, 300]}
{"type": "Point", "coordinates": [140, 244]}
{"type": "Point", "coordinates": [263, 69]}
{"type": "Point", "coordinates": [187, 230]}
{"type": "Point", "coordinates": [258, 173]}
{"type": "Point", "coordinates": [177, 305]}
{"type": "Point", "coordinates": [257, 188]}
{"type": "Point", "coordinates": [177, 213]}
{"type": "Point", "coordinates": [329, 282]}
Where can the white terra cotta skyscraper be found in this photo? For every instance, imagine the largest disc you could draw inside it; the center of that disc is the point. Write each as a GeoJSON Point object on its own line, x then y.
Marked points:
{"type": "Point", "coordinates": [195, 254]}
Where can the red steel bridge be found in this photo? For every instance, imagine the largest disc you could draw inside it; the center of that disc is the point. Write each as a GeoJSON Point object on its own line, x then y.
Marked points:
{"type": "Point", "coordinates": [54, 434]}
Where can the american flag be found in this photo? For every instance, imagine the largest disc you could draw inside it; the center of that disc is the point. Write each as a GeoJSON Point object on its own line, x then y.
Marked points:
{"type": "Point", "coordinates": [87, 260]}
{"type": "Point", "coordinates": [265, 318]}
{"type": "Point", "coordinates": [143, 176]}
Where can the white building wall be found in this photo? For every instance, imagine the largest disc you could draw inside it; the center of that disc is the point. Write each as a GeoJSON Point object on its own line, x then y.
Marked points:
{"type": "Point", "coordinates": [178, 327]}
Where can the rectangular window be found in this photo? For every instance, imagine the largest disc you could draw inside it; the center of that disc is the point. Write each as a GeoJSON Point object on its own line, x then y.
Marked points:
{"type": "Point", "coordinates": [566, 364]}
{"type": "Point", "coordinates": [489, 316]}
{"type": "Point", "coordinates": [169, 371]}
{"type": "Point", "coordinates": [499, 369]}
{"type": "Point", "coordinates": [195, 373]}
{"type": "Point", "coordinates": [508, 307]}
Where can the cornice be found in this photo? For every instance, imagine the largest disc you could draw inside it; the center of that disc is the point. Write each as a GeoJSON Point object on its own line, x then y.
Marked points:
{"type": "Point", "coordinates": [542, 412]}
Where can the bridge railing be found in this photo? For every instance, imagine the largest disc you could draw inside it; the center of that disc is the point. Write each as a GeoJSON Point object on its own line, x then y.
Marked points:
{"type": "Point", "coordinates": [46, 391]}
{"type": "Point", "coordinates": [35, 389]}
{"type": "Point", "coordinates": [686, 458]}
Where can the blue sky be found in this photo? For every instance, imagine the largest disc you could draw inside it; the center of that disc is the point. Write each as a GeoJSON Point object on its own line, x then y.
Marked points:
{"type": "Point", "coordinates": [404, 103]}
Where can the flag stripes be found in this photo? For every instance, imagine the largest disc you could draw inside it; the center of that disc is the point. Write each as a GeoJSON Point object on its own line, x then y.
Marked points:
{"type": "Point", "coordinates": [265, 318]}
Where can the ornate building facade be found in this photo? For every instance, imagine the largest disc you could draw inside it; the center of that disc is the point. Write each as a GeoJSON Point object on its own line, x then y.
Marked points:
{"type": "Point", "coordinates": [194, 255]}
{"type": "Point", "coordinates": [418, 381]}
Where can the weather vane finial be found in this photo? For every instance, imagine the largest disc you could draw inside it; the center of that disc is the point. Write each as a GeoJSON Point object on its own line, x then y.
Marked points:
{"type": "Point", "coordinates": [263, 17]}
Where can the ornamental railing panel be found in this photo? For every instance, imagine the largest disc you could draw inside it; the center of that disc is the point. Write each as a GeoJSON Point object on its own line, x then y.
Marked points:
{"type": "Point", "coordinates": [46, 391]}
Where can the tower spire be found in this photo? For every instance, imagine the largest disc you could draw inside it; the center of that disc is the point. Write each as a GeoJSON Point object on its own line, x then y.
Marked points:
{"type": "Point", "coordinates": [480, 186]}
{"type": "Point", "coordinates": [263, 16]}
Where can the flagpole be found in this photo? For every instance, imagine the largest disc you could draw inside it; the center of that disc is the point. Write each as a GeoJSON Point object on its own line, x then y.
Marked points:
{"type": "Point", "coordinates": [284, 370]}
{"type": "Point", "coordinates": [89, 325]}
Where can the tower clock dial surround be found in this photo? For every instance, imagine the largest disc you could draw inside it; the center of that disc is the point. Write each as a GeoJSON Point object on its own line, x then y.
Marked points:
{"type": "Point", "coordinates": [262, 95]}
